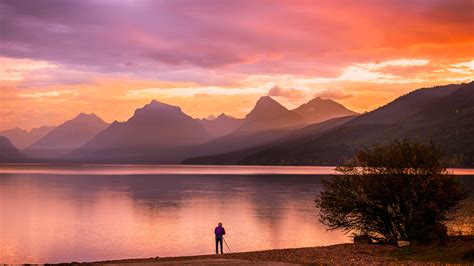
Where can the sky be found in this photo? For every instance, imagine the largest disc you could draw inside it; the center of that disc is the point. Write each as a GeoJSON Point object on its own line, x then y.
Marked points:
{"type": "Point", "coordinates": [59, 58]}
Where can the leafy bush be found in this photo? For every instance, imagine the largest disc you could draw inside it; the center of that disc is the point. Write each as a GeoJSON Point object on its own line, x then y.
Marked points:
{"type": "Point", "coordinates": [396, 191]}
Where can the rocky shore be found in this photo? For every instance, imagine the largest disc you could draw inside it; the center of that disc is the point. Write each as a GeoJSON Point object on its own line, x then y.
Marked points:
{"type": "Point", "coordinates": [456, 250]}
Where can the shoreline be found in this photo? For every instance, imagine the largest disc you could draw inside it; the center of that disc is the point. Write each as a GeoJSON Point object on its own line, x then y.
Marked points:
{"type": "Point", "coordinates": [459, 249]}
{"type": "Point", "coordinates": [172, 169]}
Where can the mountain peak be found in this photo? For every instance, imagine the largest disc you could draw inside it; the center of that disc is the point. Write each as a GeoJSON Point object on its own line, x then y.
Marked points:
{"type": "Point", "coordinates": [22, 138]}
{"type": "Point", "coordinates": [15, 130]}
{"type": "Point", "coordinates": [156, 105]}
{"type": "Point", "coordinates": [156, 108]}
{"type": "Point", "coordinates": [223, 116]}
{"type": "Point", "coordinates": [66, 137]}
{"type": "Point", "coordinates": [86, 116]}
{"type": "Point", "coordinates": [319, 109]}
{"type": "Point", "coordinates": [86, 119]}
{"type": "Point", "coordinates": [157, 111]}
{"type": "Point", "coordinates": [319, 99]}
{"type": "Point", "coordinates": [266, 99]}
{"type": "Point", "coordinates": [268, 102]}
{"type": "Point", "coordinates": [266, 106]}
{"type": "Point", "coordinates": [324, 102]}
{"type": "Point", "coordinates": [148, 134]}
{"type": "Point", "coordinates": [269, 114]}
{"type": "Point", "coordinates": [83, 119]}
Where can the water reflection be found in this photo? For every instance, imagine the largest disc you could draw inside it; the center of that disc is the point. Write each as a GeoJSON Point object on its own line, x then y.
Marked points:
{"type": "Point", "coordinates": [57, 218]}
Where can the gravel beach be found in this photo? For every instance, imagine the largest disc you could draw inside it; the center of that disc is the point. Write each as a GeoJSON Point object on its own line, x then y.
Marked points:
{"type": "Point", "coordinates": [458, 250]}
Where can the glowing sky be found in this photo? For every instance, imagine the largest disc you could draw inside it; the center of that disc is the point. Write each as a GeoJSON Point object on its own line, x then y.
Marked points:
{"type": "Point", "coordinates": [59, 58]}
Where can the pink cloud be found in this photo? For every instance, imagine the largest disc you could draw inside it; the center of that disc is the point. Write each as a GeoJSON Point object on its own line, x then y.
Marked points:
{"type": "Point", "coordinates": [290, 93]}
{"type": "Point", "coordinates": [304, 37]}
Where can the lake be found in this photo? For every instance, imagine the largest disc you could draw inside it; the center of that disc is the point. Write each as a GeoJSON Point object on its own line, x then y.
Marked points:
{"type": "Point", "coordinates": [96, 212]}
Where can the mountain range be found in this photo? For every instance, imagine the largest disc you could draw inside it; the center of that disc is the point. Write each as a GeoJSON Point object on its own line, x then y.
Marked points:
{"type": "Point", "coordinates": [319, 110]}
{"type": "Point", "coordinates": [221, 125]}
{"type": "Point", "coordinates": [21, 138]}
{"type": "Point", "coordinates": [67, 137]}
{"type": "Point", "coordinates": [235, 147]}
{"type": "Point", "coordinates": [152, 132]}
{"type": "Point", "coordinates": [269, 114]}
{"type": "Point", "coordinates": [444, 115]}
{"type": "Point", "coordinates": [319, 132]}
{"type": "Point", "coordinates": [163, 134]}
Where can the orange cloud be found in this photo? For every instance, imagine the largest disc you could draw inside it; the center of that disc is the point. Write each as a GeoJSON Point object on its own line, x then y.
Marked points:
{"type": "Point", "coordinates": [230, 53]}
{"type": "Point", "coordinates": [290, 93]}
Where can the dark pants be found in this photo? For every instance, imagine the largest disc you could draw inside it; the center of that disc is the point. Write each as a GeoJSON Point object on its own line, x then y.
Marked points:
{"type": "Point", "coordinates": [219, 240]}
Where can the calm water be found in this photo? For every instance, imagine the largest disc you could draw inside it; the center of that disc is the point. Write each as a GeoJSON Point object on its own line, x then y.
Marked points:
{"type": "Point", "coordinates": [52, 215]}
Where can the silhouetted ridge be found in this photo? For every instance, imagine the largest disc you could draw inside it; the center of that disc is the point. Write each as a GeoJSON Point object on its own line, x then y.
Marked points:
{"type": "Point", "coordinates": [220, 125]}
{"type": "Point", "coordinates": [148, 135]}
{"type": "Point", "coordinates": [159, 112]}
{"type": "Point", "coordinates": [406, 105]}
{"type": "Point", "coordinates": [318, 110]}
{"type": "Point", "coordinates": [265, 108]}
{"type": "Point", "coordinates": [69, 136]}
{"type": "Point", "coordinates": [23, 138]}
{"type": "Point", "coordinates": [269, 114]}
{"type": "Point", "coordinates": [443, 114]}
{"type": "Point", "coordinates": [8, 152]}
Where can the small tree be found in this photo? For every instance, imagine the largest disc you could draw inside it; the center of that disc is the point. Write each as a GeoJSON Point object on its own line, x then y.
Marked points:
{"type": "Point", "coordinates": [396, 191]}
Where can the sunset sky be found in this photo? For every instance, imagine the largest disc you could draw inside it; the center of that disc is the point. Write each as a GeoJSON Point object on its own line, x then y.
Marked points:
{"type": "Point", "coordinates": [60, 58]}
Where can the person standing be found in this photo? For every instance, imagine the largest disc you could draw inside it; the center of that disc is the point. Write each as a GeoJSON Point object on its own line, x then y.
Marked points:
{"type": "Point", "coordinates": [219, 232]}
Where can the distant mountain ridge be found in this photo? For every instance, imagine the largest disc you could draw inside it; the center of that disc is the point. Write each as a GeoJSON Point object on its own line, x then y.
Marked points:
{"type": "Point", "coordinates": [443, 114]}
{"type": "Point", "coordinates": [264, 116]}
{"type": "Point", "coordinates": [270, 134]}
{"type": "Point", "coordinates": [69, 136]}
{"type": "Point", "coordinates": [269, 114]}
{"type": "Point", "coordinates": [153, 131]}
{"type": "Point", "coordinates": [23, 138]}
{"type": "Point", "coordinates": [235, 147]}
{"type": "Point", "coordinates": [406, 105]}
{"type": "Point", "coordinates": [318, 110]}
{"type": "Point", "coordinates": [133, 141]}
{"type": "Point", "coordinates": [221, 125]}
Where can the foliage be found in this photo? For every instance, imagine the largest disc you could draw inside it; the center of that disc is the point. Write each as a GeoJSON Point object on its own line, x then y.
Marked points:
{"type": "Point", "coordinates": [395, 191]}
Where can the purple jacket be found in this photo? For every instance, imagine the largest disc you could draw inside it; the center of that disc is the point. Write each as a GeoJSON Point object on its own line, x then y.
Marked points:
{"type": "Point", "coordinates": [219, 231]}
